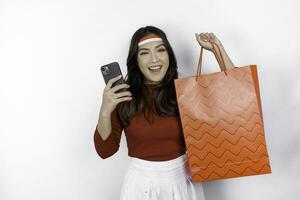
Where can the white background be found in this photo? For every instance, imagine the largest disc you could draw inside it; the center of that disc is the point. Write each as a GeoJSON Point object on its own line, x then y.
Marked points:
{"type": "Point", "coordinates": [51, 88]}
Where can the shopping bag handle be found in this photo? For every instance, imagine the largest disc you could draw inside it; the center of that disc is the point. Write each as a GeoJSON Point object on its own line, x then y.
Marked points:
{"type": "Point", "coordinates": [222, 66]}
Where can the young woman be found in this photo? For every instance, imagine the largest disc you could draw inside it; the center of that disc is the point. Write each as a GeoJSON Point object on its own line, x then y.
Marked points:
{"type": "Point", "coordinates": [148, 114]}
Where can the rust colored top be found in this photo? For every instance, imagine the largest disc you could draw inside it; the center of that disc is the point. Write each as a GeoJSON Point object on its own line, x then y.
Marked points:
{"type": "Point", "coordinates": [160, 140]}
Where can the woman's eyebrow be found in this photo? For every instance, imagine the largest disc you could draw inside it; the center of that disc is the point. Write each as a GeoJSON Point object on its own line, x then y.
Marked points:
{"type": "Point", "coordinates": [143, 49]}
{"type": "Point", "coordinates": [155, 47]}
{"type": "Point", "coordinates": [160, 45]}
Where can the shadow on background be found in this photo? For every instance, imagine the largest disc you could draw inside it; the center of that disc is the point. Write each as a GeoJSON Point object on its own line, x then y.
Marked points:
{"type": "Point", "coordinates": [214, 190]}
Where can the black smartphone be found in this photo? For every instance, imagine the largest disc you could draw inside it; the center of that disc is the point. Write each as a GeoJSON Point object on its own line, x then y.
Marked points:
{"type": "Point", "coordinates": [110, 71]}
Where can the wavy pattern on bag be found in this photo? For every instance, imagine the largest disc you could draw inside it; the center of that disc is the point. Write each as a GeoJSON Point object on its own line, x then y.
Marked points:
{"type": "Point", "coordinates": [222, 124]}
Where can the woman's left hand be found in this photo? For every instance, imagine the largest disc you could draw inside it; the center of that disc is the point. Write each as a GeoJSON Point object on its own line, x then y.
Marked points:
{"type": "Point", "coordinates": [203, 40]}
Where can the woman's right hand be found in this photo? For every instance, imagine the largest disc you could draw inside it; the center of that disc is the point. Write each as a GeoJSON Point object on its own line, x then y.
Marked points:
{"type": "Point", "coordinates": [111, 99]}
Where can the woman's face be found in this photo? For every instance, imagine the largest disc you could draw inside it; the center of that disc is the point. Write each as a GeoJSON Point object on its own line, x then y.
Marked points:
{"type": "Point", "coordinates": [153, 61]}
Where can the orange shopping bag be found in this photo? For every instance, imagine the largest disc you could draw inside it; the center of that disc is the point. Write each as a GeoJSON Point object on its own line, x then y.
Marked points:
{"type": "Point", "coordinates": [222, 122]}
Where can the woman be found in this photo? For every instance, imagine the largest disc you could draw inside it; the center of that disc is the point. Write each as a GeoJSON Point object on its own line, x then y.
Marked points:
{"type": "Point", "coordinates": [148, 114]}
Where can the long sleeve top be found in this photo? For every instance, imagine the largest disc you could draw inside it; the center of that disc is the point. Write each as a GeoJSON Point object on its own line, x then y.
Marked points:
{"type": "Point", "coordinates": [158, 141]}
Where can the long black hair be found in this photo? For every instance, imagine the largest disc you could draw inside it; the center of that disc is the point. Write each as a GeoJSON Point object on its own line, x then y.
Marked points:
{"type": "Point", "coordinates": [164, 101]}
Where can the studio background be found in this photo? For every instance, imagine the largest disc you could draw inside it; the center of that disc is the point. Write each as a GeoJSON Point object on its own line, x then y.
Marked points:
{"type": "Point", "coordinates": [51, 88]}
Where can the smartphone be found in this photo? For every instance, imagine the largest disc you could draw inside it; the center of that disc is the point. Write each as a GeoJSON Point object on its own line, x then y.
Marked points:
{"type": "Point", "coordinates": [110, 71]}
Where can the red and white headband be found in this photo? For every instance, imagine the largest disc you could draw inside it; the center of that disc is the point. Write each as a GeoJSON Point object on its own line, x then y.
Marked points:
{"type": "Point", "coordinates": [149, 38]}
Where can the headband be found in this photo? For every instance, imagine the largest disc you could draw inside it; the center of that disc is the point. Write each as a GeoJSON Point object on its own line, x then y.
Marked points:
{"type": "Point", "coordinates": [149, 38]}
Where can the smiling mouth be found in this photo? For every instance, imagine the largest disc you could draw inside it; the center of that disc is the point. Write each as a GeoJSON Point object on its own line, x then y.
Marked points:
{"type": "Point", "coordinates": [155, 68]}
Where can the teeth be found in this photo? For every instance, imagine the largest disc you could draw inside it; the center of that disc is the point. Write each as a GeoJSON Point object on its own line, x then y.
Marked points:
{"type": "Point", "coordinates": [155, 67]}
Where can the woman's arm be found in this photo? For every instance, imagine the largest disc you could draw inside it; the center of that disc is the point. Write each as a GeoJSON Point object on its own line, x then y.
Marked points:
{"type": "Point", "coordinates": [204, 39]}
{"type": "Point", "coordinates": [227, 61]}
{"type": "Point", "coordinates": [110, 127]}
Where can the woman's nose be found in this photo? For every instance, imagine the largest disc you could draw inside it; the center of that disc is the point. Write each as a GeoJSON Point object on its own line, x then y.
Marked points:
{"type": "Point", "coordinates": [154, 57]}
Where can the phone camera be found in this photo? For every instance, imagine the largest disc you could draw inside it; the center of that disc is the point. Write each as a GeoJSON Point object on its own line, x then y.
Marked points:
{"type": "Point", "coordinates": [105, 70]}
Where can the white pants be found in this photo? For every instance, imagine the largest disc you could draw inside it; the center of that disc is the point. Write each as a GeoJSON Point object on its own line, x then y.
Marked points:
{"type": "Point", "coordinates": [160, 180]}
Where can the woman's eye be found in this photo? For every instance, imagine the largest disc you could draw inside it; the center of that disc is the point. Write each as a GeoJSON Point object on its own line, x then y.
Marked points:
{"type": "Point", "coordinates": [143, 53]}
{"type": "Point", "coordinates": [161, 50]}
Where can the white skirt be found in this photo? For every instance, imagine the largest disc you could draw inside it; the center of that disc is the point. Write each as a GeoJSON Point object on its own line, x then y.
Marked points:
{"type": "Point", "coordinates": [160, 180]}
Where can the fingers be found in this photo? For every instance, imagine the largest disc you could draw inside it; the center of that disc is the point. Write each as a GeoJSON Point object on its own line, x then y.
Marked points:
{"type": "Point", "coordinates": [211, 36]}
{"type": "Point", "coordinates": [203, 37]}
{"type": "Point", "coordinates": [118, 87]}
{"type": "Point", "coordinates": [111, 81]}
{"type": "Point", "coordinates": [111, 99]}
{"type": "Point", "coordinates": [119, 100]}
{"type": "Point", "coordinates": [123, 94]}
{"type": "Point", "coordinates": [206, 36]}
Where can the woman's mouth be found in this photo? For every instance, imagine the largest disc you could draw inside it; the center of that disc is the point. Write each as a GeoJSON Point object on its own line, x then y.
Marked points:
{"type": "Point", "coordinates": [155, 69]}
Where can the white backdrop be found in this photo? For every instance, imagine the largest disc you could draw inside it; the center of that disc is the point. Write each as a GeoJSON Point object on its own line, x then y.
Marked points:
{"type": "Point", "coordinates": [51, 88]}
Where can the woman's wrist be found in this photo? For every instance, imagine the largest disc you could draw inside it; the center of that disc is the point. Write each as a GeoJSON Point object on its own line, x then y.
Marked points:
{"type": "Point", "coordinates": [218, 51]}
{"type": "Point", "coordinates": [104, 113]}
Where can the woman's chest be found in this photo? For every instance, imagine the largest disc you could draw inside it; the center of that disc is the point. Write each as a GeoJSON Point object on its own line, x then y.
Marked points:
{"type": "Point", "coordinates": [161, 128]}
